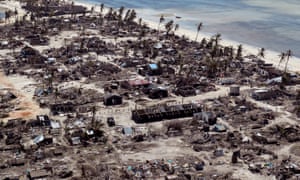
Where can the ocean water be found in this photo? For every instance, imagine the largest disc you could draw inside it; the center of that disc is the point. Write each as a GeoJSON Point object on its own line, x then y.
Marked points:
{"type": "Point", "coordinates": [272, 24]}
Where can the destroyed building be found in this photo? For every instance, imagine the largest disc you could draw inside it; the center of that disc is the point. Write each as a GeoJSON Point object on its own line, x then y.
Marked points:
{"type": "Point", "coordinates": [164, 112]}
{"type": "Point", "coordinates": [263, 94]}
{"type": "Point", "coordinates": [112, 99]}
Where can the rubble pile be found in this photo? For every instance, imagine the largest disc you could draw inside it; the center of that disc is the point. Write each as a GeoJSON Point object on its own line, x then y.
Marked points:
{"type": "Point", "coordinates": [111, 98]}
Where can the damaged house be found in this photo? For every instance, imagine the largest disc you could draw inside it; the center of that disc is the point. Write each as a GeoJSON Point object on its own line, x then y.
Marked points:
{"type": "Point", "coordinates": [62, 108]}
{"type": "Point", "coordinates": [263, 94]}
{"type": "Point", "coordinates": [208, 117]}
{"type": "Point", "coordinates": [112, 99]}
{"type": "Point", "coordinates": [156, 92]}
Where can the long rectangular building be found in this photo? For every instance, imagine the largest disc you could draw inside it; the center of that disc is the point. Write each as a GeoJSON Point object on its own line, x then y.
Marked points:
{"type": "Point", "coordinates": [158, 113]}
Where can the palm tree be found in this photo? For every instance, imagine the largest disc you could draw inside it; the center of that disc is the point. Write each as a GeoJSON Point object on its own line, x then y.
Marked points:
{"type": "Point", "coordinates": [121, 11]}
{"type": "Point", "coordinates": [73, 10]}
{"type": "Point", "coordinates": [161, 20]}
{"type": "Point", "coordinates": [140, 22]}
{"type": "Point", "coordinates": [169, 26]}
{"type": "Point", "coordinates": [282, 56]}
{"type": "Point", "coordinates": [239, 51]}
{"type": "Point", "coordinates": [101, 8]}
{"type": "Point", "coordinates": [132, 16]}
{"type": "Point", "coordinates": [180, 59]}
{"type": "Point", "coordinates": [203, 43]}
{"type": "Point", "coordinates": [288, 55]}
{"type": "Point", "coordinates": [142, 34]}
{"type": "Point", "coordinates": [198, 30]}
{"type": "Point", "coordinates": [109, 13]}
{"type": "Point", "coordinates": [176, 27]}
{"type": "Point", "coordinates": [217, 39]}
{"type": "Point", "coordinates": [261, 52]}
{"type": "Point", "coordinates": [127, 15]}
{"type": "Point", "coordinates": [212, 66]}
{"type": "Point", "coordinates": [7, 15]}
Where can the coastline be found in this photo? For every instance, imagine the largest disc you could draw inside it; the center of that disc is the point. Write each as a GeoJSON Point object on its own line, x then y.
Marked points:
{"type": "Point", "coordinates": [270, 55]}
{"type": "Point", "coordinates": [84, 95]}
{"type": "Point", "coordinates": [11, 5]}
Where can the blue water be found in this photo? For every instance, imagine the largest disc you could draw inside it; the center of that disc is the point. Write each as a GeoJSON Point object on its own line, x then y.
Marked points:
{"type": "Point", "coordinates": [272, 24]}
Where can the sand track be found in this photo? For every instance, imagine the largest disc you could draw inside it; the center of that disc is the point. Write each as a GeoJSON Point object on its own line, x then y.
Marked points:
{"type": "Point", "coordinates": [25, 107]}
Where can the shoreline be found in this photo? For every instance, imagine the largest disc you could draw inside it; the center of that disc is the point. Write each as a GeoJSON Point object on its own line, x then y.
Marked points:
{"type": "Point", "coordinates": [270, 55]}
{"type": "Point", "coordinates": [99, 95]}
{"type": "Point", "coordinates": [11, 5]}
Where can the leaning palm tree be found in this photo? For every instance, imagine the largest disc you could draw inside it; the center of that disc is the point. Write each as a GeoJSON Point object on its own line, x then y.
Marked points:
{"type": "Point", "coordinates": [198, 30]}
{"type": "Point", "coordinates": [176, 27]}
{"type": "Point", "coordinates": [169, 26]}
{"type": "Point", "coordinates": [127, 15]}
{"type": "Point", "coordinates": [288, 55]}
{"type": "Point", "coordinates": [121, 11]}
{"type": "Point", "coordinates": [132, 16]}
{"type": "Point", "coordinates": [282, 57]}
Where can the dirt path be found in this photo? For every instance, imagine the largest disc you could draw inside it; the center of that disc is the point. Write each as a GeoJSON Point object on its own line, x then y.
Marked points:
{"type": "Point", "coordinates": [26, 108]}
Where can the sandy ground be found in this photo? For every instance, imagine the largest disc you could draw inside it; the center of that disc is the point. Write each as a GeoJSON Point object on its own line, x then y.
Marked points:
{"type": "Point", "coordinates": [12, 5]}
{"type": "Point", "coordinates": [26, 107]}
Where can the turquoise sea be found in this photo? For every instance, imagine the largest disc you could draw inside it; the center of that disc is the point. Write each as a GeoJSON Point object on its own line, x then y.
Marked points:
{"type": "Point", "coordinates": [272, 24]}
